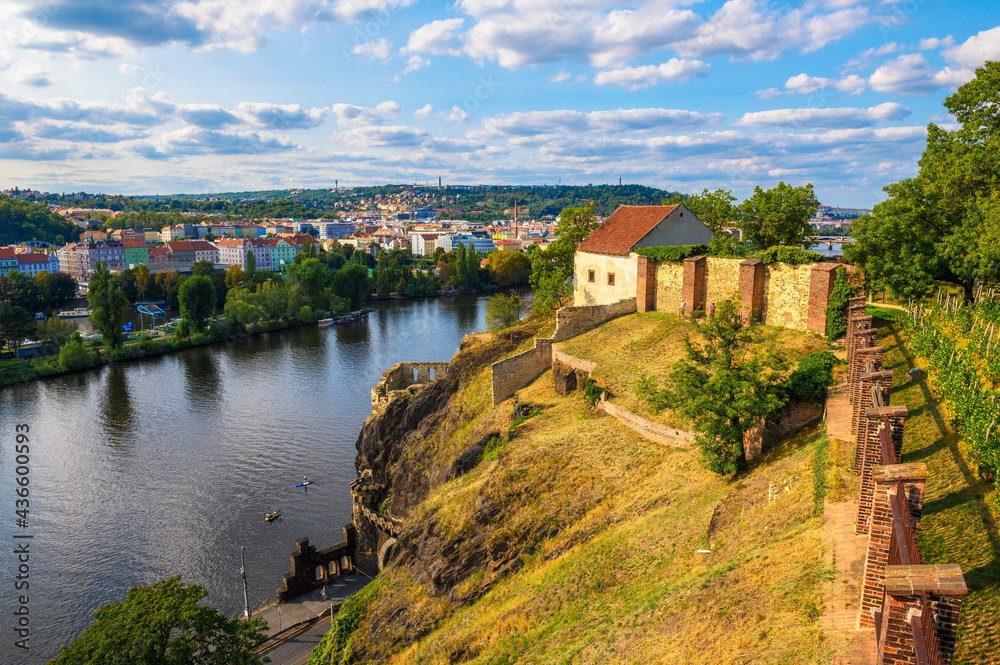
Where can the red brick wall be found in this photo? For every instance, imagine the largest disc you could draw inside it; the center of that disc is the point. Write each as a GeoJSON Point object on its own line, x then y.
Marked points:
{"type": "Point", "coordinates": [645, 288]}
{"type": "Point", "coordinates": [693, 288]}
{"type": "Point", "coordinates": [820, 286]}
{"type": "Point", "coordinates": [751, 290]}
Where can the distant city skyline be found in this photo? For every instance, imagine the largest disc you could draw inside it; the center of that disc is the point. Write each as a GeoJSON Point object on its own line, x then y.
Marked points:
{"type": "Point", "coordinates": [200, 96]}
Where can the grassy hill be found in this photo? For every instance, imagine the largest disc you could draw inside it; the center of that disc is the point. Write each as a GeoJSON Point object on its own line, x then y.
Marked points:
{"type": "Point", "coordinates": [575, 540]}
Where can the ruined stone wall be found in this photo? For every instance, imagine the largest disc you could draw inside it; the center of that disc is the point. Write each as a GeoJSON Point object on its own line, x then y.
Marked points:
{"type": "Point", "coordinates": [722, 279]}
{"type": "Point", "coordinates": [669, 281]}
{"type": "Point", "coordinates": [657, 432]}
{"type": "Point", "coordinates": [512, 374]}
{"type": "Point", "coordinates": [786, 295]}
{"type": "Point", "coordinates": [312, 568]}
{"type": "Point", "coordinates": [402, 376]}
{"type": "Point", "coordinates": [572, 321]}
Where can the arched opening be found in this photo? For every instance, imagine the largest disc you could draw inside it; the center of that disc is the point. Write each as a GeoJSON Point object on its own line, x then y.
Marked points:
{"type": "Point", "coordinates": [416, 375]}
{"type": "Point", "coordinates": [320, 573]}
{"type": "Point", "coordinates": [386, 552]}
{"type": "Point", "coordinates": [432, 373]}
{"type": "Point", "coordinates": [345, 564]}
{"type": "Point", "coordinates": [332, 568]}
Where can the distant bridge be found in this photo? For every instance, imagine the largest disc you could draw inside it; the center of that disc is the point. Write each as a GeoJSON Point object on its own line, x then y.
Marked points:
{"type": "Point", "coordinates": [830, 241]}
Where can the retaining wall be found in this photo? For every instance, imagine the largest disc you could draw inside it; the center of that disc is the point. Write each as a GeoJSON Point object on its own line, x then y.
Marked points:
{"type": "Point", "coordinates": [512, 374]}
{"type": "Point", "coordinates": [657, 432]}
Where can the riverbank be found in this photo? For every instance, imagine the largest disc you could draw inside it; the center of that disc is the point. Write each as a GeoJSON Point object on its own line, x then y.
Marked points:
{"type": "Point", "coordinates": [14, 371]}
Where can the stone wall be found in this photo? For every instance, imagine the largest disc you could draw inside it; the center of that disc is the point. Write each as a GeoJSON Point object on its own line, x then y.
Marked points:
{"type": "Point", "coordinates": [657, 432]}
{"type": "Point", "coordinates": [669, 281]}
{"type": "Point", "coordinates": [722, 279]}
{"type": "Point", "coordinates": [402, 376]}
{"type": "Point", "coordinates": [786, 295]}
{"type": "Point", "coordinates": [512, 374]}
{"type": "Point", "coordinates": [307, 561]}
{"type": "Point", "coordinates": [572, 321]}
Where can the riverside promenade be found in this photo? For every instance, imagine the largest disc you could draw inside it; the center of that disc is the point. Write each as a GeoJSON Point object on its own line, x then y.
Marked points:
{"type": "Point", "coordinates": [843, 552]}
{"type": "Point", "coordinates": [281, 618]}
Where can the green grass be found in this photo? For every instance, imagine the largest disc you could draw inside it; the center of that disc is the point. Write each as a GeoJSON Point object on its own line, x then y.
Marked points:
{"type": "Point", "coordinates": [958, 524]}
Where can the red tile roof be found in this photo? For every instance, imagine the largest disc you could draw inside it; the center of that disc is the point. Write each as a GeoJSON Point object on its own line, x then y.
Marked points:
{"type": "Point", "coordinates": [159, 250]}
{"type": "Point", "coordinates": [624, 229]}
{"type": "Point", "coordinates": [132, 243]}
{"type": "Point", "coordinates": [33, 257]}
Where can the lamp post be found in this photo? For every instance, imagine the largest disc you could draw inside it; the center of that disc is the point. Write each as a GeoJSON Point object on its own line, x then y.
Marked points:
{"type": "Point", "coordinates": [243, 574]}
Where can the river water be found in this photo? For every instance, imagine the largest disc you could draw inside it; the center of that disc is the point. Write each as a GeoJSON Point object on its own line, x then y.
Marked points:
{"type": "Point", "coordinates": [141, 471]}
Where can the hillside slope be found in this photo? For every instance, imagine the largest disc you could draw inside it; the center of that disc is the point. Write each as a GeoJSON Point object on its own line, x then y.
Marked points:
{"type": "Point", "coordinates": [572, 539]}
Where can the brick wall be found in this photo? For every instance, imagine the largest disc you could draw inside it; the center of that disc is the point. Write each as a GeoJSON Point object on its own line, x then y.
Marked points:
{"type": "Point", "coordinates": [866, 359]}
{"type": "Point", "coordinates": [891, 418]}
{"type": "Point", "coordinates": [820, 286]}
{"type": "Point", "coordinates": [645, 289]}
{"type": "Point", "coordinates": [693, 289]}
{"type": "Point", "coordinates": [752, 274]}
{"type": "Point", "coordinates": [881, 380]}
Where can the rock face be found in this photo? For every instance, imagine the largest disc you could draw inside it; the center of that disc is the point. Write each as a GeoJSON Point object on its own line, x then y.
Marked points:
{"type": "Point", "coordinates": [399, 449]}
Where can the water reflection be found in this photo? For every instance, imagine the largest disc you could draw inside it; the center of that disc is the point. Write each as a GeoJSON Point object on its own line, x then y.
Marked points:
{"type": "Point", "coordinates": [202, 378]}
{"type": "Point", "coordinates": [117, 412]}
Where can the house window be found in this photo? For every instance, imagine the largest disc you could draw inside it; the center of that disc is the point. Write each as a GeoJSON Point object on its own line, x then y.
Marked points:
{"type": "Point", "coordinates": [590, 275]}
{"type": "Point", "coordinates": [611, 279]}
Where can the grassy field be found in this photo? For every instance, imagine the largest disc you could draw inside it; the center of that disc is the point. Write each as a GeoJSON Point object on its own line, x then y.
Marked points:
{"type": "Point", "coordinates": [606, 528]}
{"type": "Point", "coordinates": [651, 343]}
{"type": "Point", "coordinates": [958, 524]}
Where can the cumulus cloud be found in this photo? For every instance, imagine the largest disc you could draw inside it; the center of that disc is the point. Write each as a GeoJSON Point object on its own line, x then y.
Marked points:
{"type": "Point", "coordinates": [911, 74]}
{"type": "Point", "coordinates": [355, 10]}
{"type": "Point", "coordinates": [424, 111]}
{"type": "Point", "coordinates": [533, 123]}
{"type": "Point", "coordinates": [197, 141]}
{"type": "Point", "coordinates": [349, 114]}
{"type": "Point", "coordinates": [380, 49]}
{"type": "Point", "coordinates": [280, 116]}
{"type": "Point", "coordinates": [415, 62]}
{"type": "Point", "coordinates": [825, 118]}
{"type": "Point", "coordinates": [935, 42]}
{"type": "Point", "coordinates": [635, 78]}
{"type": "Point", "coordinates": [561, 76]}
{"type": "Point", "coordinates": [976, 50]}
{"type": "Point", "coordinates": [805, 84]}
{"type": "Point", "coordinates": [436, 37]}
{"type": "Point", "coordinates": [206, 116]}
{"type": "Point", "coordinates": [34, 77]}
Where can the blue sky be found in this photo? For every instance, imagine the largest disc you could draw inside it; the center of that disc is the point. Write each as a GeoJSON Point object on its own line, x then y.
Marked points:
{"type": "Point", "coordinates": [169, 96]}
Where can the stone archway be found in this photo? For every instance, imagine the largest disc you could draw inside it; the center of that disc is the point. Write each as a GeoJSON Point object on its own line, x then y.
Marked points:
{"type": "Point", "coordinates": [386, 552]}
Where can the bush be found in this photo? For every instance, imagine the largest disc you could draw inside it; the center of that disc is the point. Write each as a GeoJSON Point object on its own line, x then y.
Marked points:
{"type": "Point", "coordinates": [592, 392]}
{"type": "Point", "coordinates": [503, 311]}
{"type": "Point", "coordinates": [74, 356]}
{"type": "Point", "coordinates": [672, 253]}
{"type": "Point", "coordinates": [788, 254]}
{"type": "Point", "coordinates": [836, 309]}
{"type": "Point", "coordinates": [812, 377]}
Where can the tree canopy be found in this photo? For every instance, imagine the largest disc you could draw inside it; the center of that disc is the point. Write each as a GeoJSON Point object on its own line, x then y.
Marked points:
{"type": "Point", "coordinates": [107, 305]}
{"type": "Point", "coordinates": [197, 300]}
{"type": "Point", "coordinates": [942, 223]}
{"type": "Point", "coordinates": [552, 267]}
{"type": "Point", "coordinates": [163, 624]}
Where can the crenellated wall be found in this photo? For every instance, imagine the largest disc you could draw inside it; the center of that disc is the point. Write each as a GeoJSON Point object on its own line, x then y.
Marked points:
{"type": "Point", "coordinates": [312, 568]}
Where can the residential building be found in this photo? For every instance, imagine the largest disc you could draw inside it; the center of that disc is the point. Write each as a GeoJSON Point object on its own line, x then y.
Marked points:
{"type": "Point", "coordinates": [423, 243]}
{"type": "Point", "coordinates": [33, 263]}
{"type": "Point", "coordinates": [169, 233]}
{"type": "Point", "coordinates": [482, 245]}
{"type": "Point", "coordinates": [93, 236]}
{"type": "Point", "coordinates": [329, 230]}
{"type": "Point", "coordinates": [233, 251]}
{"type": "Point", "coordinates": [8, 260]}
{"type": "Point", "coordinates": [159, 255]}
{"type": "Point", "coordinates": [282, 253]}
{"type": "Point", "coordinates": [181, 251]}
{"type": "Point", "coordinates": [205, 251]}
{"type": "Point", "coordinates": [605, 264]}
{"type": "Point", "coordinates": [81, 259]}
{"type": "Point", "coordinates": [136, 251]}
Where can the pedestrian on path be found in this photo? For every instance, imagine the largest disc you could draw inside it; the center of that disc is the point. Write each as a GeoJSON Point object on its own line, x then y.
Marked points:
{"type": "Point", "coordinates": [324, 592]}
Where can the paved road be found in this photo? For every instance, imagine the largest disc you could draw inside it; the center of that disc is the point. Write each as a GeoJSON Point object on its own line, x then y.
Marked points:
{"type": "Point", "coordinates": [296, 648]}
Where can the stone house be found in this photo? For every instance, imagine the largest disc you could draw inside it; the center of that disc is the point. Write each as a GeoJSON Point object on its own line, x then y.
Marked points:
{"type": "Point", "coordinates": [605, 264]}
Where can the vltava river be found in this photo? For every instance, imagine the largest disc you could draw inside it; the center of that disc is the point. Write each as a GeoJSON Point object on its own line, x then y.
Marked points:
{"type": "Point", "coordinates": [141, 471]}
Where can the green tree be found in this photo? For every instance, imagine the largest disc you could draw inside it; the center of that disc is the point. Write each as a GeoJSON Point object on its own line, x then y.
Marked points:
{"type": "Point", "coordinates": [197, 300]}
{"type": "Point", "coordinates": [107, 306]}
{"type": "Point", "coordinates": [552, 267]}
{"type": "Point", "coordinates": [163, 624]}
{"type": "Point", "coordinates": [778, 216]}
{"type": "Point", "coordinates": [503, 311]}
{"type": "Point", "coordinates": [235, 276]}
{"type": "Point", "coordinates": [73, 355]}
{"type": "Point", "coordinates": [716, 209]}
{"type": "Point", "coordinates": [315, 279]}
{"type": "Point", "coordinates": [143, 279]}
{"type": "Point", "coordinates": [16, 323]}
{"type": "Point", "coordinates": [352, 284]}
{"type": "Point", "coordinates": [169, 282]}
{"type": "Point", "coordinates": [251, 264]}
{"type": "Point", "coordinates": [941, 224]}
{"type": "Point", "coordinates": [24, 291]}
{"type": "Point", "coordinates": [725, 385]}
{"type": "Point", "coordinates": [509, 268]}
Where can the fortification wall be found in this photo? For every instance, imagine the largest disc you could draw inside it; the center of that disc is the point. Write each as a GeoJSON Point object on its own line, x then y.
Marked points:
{"type": "Point", "coordinates": [657, 432]}
{"type": "Point", "coordinates": [786, 295]}
{"type": "Point", "coordinates": [572, 321]}
{"type": "Point", "coordinates": [669, 281]}
{"type": "Point", "coordinates": [402, 376]}
{"type": "Point", "coordinates": [511, 374]}
{"type": "Point", "coordinates": [579, 364]}
{"type": "Point", "coordinates": [722, 279]}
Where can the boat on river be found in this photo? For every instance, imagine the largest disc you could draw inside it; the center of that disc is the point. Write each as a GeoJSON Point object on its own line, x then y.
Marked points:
{"type": "Point", "coordinates": [76, 313]}
{"type": "Point", "coordinates": [324, 323]}
{"type": "Point", "coordinates": [270, 517]}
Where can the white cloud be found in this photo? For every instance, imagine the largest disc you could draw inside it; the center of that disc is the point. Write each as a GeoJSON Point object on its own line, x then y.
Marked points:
{"type": "Point", "coordinates": [424, 111]}
{"type": "Point", "coordinates": [867, 57]}
{"type": "Point", "coordinates": [832, 27]}
{"type": "Point", "coordinates": [126, 69]}
{"type": "Point", "coordinates": [196, 141]}
{"type": "Point", "coordinates": [436, 37]}
{"type": "Point", "coordinates": [976, 50]}
{"type": "Point", "coordinates": [280, 116]}
{"type": "Point", "coordinates": [825, 118]}
{"type": "Point", "coordinates": [351, 115]}
{"type": "Point", "coordinates": [935, 42]}
{"type": "Point", "coordinates": [805, 84]}
{"type": "Point", "coordinates": [355, 10]}
{"type": "Point", "coordinates": [380, 49]}
{"type": "Point", "coordinates": [415, 62]}
{"type": "Point", "coordinates": [534, 123]}
{"type": "Point", "coordinates": [206, 116]}
{"type": "Point", "coordinates": [635, 78]}
{"type": "Point", "coordinates": [35, 77]}
{"type": "Point", "coordinates": [769, 93]}
{"type": "Point", "coordinates": [561, 76]}
{"type": "Point", "coordinates": [910, 74]}
{"type": "Point", "coordinates": [455, 115]}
